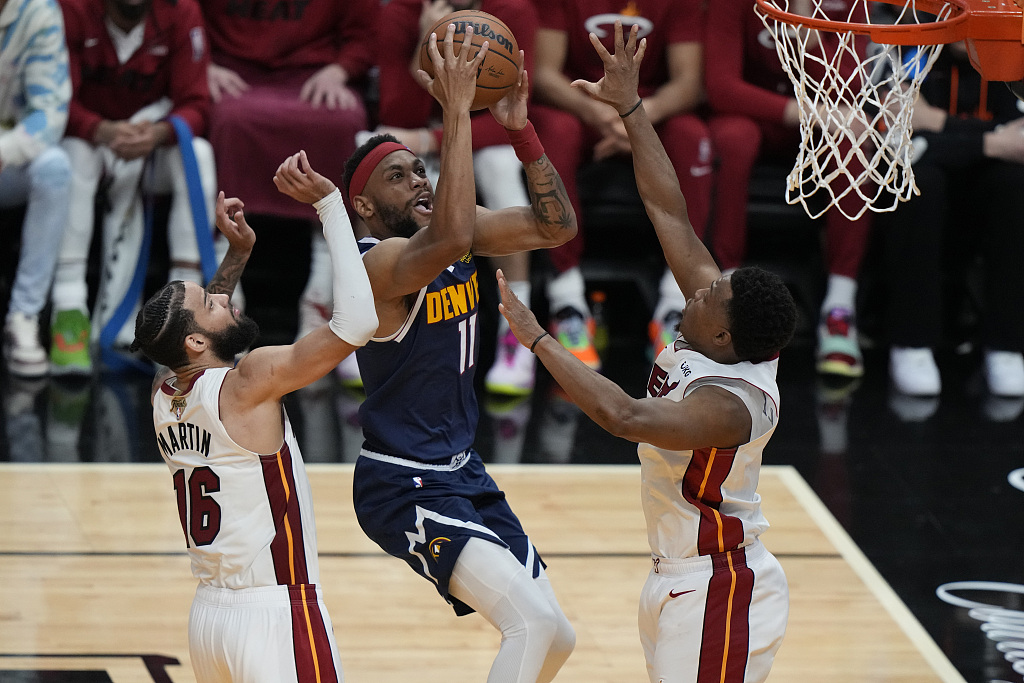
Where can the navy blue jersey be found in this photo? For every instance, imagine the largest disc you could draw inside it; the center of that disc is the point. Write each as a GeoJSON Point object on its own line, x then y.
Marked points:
{"type": "Point", "coordinates": [420, 403]}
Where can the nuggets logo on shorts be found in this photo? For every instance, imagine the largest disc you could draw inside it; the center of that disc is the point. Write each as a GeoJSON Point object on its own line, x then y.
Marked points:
{"type": "Point", "coordinates": [435, 546]}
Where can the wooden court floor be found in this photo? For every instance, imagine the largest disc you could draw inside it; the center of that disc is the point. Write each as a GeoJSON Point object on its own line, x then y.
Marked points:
{"type": "Point", "coordinates": [95, 578]}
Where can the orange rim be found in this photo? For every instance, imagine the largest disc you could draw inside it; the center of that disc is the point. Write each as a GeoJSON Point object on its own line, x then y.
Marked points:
{"type": "Point", "coordinates": [947, 30]}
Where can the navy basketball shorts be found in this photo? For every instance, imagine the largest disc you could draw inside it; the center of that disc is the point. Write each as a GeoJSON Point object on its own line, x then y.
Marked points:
{"type": "Point", "coordinates": [425, 514]}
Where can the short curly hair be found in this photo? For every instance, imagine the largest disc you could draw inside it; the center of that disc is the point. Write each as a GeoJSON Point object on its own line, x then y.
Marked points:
{"type": "Point", "coordinates": [762, 314]}
{"type": "Point", "coordinates": [357, 156]}
{"type": "Point", "coordinates": [162, 325]}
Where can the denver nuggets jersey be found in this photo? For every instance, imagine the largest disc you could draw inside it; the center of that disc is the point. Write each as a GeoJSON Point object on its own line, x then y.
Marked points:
{"type": "Point", "coordinates": [247, 518]}
{"type": "Point", "coordinates": [705, 501]}
{"type": "Point", "coordinates": [420, 402]}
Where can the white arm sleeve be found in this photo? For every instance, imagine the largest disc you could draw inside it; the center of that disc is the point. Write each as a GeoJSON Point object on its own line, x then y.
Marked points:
{"type": "Point", "coordinates": [354, 319]}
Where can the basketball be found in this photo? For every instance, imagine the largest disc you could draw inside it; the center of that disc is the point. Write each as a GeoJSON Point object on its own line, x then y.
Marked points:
{"type": "Point", "coordinates": [500, 68]}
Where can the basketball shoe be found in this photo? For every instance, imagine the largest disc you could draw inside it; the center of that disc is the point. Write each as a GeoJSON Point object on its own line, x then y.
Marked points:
{"type": "Point", "coordinates": [24, 354]}
{"type": "Point", "coordinates": [838, 351]}
{"type": "Point", "coordinates": [1004, 373]}
{"type": "Point", "coordinates": [348, 372]}
{"type": "Point", "coordinates": [69, 349]}
{"type": "Point", "coordinates": [575, 332]}
{"type": "Point", "coordinates": [663, 332]}
{"type": "Point", "coordinates": [913, 371]}
{"type": "Point", "coordinates": [514, 368]}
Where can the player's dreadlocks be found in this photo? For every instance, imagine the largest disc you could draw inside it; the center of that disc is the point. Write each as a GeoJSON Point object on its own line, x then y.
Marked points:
{"type": "Point", "coordinates": [162, 325]}
{"type": "Point", "coordinates": [762, 314]}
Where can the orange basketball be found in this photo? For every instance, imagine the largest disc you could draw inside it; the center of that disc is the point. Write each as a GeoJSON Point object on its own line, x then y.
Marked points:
{"type": "Point", "coordinates": [500, 68]}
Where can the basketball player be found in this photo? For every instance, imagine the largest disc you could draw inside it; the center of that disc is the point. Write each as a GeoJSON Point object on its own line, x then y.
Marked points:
{"type": "Point", "coordinates": [242, 490]}
{"type": "Point", "coordinates": [716, 601]}
{"type": "Point", "coordinates": [420, 489]}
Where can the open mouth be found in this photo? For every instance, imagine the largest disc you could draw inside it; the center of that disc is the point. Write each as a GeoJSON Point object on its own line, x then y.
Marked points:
{"type": "Point", "coordinates": [424, 204]}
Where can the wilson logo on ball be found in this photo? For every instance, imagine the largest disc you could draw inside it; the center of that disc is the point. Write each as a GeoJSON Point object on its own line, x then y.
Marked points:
{"type": "Point", "coordinates": [500, 68]}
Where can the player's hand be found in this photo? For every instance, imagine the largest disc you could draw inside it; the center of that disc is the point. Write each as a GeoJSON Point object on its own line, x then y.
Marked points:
{"type": "Point", "coordinates": [231, 223]}
{"type": "Point", "coordinates": [454, 81]}
{"type": "Point", "coordinates": [618, 87]}
{"type": "Point", "coordinates": [223, 82]}
{"type": "Point", "coordinates": [328, 87]}
{"type": "Point", "coordinates": [297, 179]}
{"type": "Point", "coordinates": [1006, 142]}
{"type": "Point", "coordinates": [510, 110]}
{"type": "Point", "coordinates": [521, 319]}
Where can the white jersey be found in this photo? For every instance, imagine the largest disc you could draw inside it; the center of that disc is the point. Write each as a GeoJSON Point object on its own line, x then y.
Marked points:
{"type": "Point", "coordinates": [248, 518]}
{"type": "Point", "coordinates": [705, 501]}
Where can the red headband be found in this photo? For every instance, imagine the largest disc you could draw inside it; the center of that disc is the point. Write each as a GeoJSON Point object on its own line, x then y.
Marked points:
{"type": "Point", "coordinates": [369, 163]}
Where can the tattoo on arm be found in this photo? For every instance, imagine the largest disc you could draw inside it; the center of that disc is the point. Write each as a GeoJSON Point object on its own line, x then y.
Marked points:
{"type": "Point", "coordinates": [228, 273]}
{"type": "Point", "coordinates": [547, 194]}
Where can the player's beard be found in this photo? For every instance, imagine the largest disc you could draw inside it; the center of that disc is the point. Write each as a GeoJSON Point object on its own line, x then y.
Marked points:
{"type": "Point", "coordinates": [398, 224]}
{"type": "Point", "coordinates": [229, 342]}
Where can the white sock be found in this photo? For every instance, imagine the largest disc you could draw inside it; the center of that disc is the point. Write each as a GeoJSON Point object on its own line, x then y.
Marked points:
{"type": "Point", "coordinates": [841, 293]}
{"type": "Point", "coordinates": [568, 289]}
{"type": "Point", "coordinates": [671, 298]}
{"type": "Point", "coordinates": [489, 578]}
{"type": "Point", "coordinates": [499, 177]}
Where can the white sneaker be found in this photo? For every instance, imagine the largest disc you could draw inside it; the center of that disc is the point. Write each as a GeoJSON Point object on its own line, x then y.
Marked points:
{"type": "Point", "coordinates": [513, 371]}
{"type": "Point", "coordinates": [913, 371]}
{"type": "Point", "coordinates": [1004, 371]}
{"type": "Point", "coordinates": [25, 356]}
{"type": "Point", "coordinates": [348, 372]}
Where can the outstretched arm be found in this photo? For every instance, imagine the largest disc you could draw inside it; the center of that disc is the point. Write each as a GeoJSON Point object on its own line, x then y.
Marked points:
{"type": "Point", "coordinates": [241, 238]}
{"type": "Point", "coordinates": [550, 220]}
{"type": "Point", "coordinates": [709, 416]}
{"type": "Point", "coordinates": [689, 259]}
{"type": "Point", "coordinates": [399, 266]}
{"type": "Point", "coordinates": [270, 372]}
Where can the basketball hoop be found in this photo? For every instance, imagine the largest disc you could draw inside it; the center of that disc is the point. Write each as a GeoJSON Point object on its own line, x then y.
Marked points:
{"type": "Point", "coordinates": [857, 100]}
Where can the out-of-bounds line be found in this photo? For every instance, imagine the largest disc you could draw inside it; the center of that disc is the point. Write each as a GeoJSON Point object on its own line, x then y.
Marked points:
{"type": "Point", "coordinates": [881, 589]}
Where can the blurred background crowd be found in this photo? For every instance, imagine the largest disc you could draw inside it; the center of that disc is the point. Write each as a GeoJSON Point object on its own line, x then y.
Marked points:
{"type": "Point", "coordinates": [130, 115]}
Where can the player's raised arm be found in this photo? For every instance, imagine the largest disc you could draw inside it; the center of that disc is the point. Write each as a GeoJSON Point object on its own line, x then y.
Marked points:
{"type": "Point", "coordinates": [399, 269]}
{"type": "Point", "coordinates": [272, 371]}
{"type": "Point", "coordinates": [689, 259]}
{"type": "Point", "coordinates": [550, 220]}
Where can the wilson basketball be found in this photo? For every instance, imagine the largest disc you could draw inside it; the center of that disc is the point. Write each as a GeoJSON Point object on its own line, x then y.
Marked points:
{"type": "Point", "coordinates": [500, 67]}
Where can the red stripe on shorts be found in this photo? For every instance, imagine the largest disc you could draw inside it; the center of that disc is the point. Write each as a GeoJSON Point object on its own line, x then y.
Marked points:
{"type": "Point", "coordinates": [314, 658]}
{"type": "Point", "coordinates": [725, 643]}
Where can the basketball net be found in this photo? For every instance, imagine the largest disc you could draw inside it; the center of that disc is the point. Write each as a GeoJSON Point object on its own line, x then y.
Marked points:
{"type": "Point", "coordinates": [856, 103]}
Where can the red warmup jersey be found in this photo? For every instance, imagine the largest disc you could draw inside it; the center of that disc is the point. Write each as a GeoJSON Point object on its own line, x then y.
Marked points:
{"type": "Point", "coordinates": [742, 70]}
{"type": "Point", "coordinates": [171, 62]}
{"type": "Point", "coordinates": [662, 22]}
{"type": "Point", "coordinates": [279, 34]}
{"type": "Point", "coordinates": [403, 103]}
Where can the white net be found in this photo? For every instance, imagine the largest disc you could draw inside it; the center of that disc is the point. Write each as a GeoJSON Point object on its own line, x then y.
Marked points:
{"type": "Point", "coordinates": [856, 104]}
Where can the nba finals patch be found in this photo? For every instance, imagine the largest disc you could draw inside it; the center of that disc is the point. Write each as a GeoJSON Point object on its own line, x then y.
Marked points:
{"type": "Point", "coordinates": [178, 406]}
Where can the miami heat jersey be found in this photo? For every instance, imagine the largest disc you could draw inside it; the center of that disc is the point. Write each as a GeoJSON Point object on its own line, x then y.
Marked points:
{"type": "Point", "coordinates": [247, 518]}
{"type": "Point", "coordinates": [662, 22]}
{"type": "Point", "coordinates": [420, 403]}
{"type": "Point", "coordinates": [705, 501]}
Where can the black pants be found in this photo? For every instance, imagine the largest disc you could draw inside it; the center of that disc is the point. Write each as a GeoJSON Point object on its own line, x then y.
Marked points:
{"type": "Point", "coordinates": [933, 239]}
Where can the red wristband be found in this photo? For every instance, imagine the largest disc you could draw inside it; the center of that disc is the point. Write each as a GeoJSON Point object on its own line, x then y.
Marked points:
{"type": "Point", "coordinates": [526, 143]}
